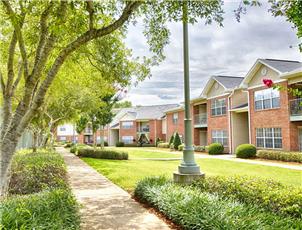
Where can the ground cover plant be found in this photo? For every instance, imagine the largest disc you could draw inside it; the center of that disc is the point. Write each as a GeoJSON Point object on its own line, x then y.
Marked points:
{"type": "Point", "coordinates": [193, 209]}
{"type": "Point", "coordinates": [103, 153]}
{"type": "Point", "coordinates": [280, 155]}
{"type": "Point", "coordinates": [127, 173]}
{"type": "Point", "coordinates": [39, 195]}
{"type": "Point", "coordinates": [268, 194]}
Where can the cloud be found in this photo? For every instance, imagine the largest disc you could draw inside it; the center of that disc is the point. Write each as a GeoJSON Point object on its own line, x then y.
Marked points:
{"type": "Point", "coordinates": [214, 50]}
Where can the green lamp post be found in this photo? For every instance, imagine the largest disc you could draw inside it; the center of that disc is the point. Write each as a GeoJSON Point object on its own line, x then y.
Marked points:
{"type": "Point", "coordinates": [188, 170]}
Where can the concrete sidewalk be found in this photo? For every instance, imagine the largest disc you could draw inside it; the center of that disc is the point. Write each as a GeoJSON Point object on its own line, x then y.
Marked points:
{"type": "Point", "coordinates": [105, 205]}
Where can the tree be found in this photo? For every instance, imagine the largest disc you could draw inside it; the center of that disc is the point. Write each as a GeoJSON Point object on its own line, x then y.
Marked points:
{"type": "Point", "coordinates": [171, 140]}
{"type": "Point", "coordinates": [123, 104]}
{"type": "Point", "coordinates": [65, 30]}
{"type": "Point", "coordinates": [176, 141]}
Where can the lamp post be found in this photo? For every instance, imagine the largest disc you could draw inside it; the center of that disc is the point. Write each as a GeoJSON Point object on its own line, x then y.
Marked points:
{"type": "Point", "coordinates": [188, 170]}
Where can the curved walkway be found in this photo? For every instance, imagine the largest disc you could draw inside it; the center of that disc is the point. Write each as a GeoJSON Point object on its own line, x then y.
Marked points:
{"type": "Point", "coordinates": [104, 204]}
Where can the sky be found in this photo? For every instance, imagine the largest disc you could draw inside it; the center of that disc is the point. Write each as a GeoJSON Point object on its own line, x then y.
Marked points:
{"type": "Point", "coordinates": [228, 50]}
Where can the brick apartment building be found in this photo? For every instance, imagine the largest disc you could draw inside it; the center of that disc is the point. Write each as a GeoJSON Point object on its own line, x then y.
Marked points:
{"type": "Point", "coordinates": [230, 110]}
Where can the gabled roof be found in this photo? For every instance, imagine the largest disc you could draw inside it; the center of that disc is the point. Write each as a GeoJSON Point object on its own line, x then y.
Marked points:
{"type": "Point", "coordinates": [142, 113]}
{"type": "Point", "coordinates": [280, 66]}
{"type": "Point", "coordinates": [227, 82]}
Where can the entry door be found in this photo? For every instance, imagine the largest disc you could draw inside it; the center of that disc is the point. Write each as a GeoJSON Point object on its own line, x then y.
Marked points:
{"type": "Point", "coordinates": [300, 139]}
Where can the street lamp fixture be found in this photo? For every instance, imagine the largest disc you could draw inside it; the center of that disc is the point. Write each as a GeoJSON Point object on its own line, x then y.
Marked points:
{"type": "Point", "coordinates": [188, 170]}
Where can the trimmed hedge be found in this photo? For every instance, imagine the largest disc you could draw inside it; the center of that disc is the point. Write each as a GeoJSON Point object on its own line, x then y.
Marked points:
{"type": "Point", "coordinates": [75, 148]}
{"type": "Point", "coordinates": [34, 172]}
{"type": "Point", "coordinates": [215, 148]}
{"type": "Point", "coordinates": [120, 144]}
{"type": "Point", "coordinates": [246, 151]}
{"type": "Point", "coordinates": [280, 155]}
{"type": "Point", "coordinates": [163, 145]}
{"type": "Point", "coordinates": [192, 209]}
{"type": "Point", "coordinates": [268, 194]}
{"type": "Point", "coordinates": [103, 154]}
{"type": "Point", "coordinates": [199, 148]}
{"type": "Point", "coordinates": [56, 209]}
{"type": "Point", "coordinates": [181, 147]}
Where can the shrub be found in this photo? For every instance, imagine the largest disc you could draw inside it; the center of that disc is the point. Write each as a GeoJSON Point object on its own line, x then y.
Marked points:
{"type": "Point", "coordinates": [120, 144]}
{"type": "Point", "coordinates": [280, 155]}
{"type": "Point", "coordinates": [56, 209]}
{"type": "Point", "coordinates": [75, 148]}
{"type": "Point", "coordinates": [215, 148]}
{"type": "Point", "coordinates": [163, 145]}
{"type": "Point", "coordinates": [68, 145]}
{"type": "Point", "coordinates": [34, 172]}
{"type": "Point", "coordinates": [246, 151]}
{"type": "Point", "coordinates": [103, 154]}
{"type": "Point", "coordinates": [181, 147]}
{"type": "Point", "coordinates": [158, 140]}
{"type": "Point", "coordinates": [105, 144]}
{"type": "Point", "coordinates": [199, 148]}
{"type": "Point", "coordinates": [193, 209]}
{"type": "Point", "coordinates": [268, 194]}
{"type": "Point", "coordinates": [171, 140]}
{"type": "Point", "coordinates": [176, 141]}
{"type": "Point", "coordinates": [172, 147]}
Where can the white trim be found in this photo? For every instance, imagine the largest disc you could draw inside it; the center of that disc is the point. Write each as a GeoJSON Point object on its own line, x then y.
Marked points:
{"type": "Point", "coordinates": [258, 86]}
{"type": "Point", "coordinates": [240, 110]}
{"type": "Point", "coordinates": [249, 116]}
{"type": "Point", "coordinates": [230, 123]}
{"type": "Point", "coordinates": [221, 95]}
{"type": "Point", "coordinates": [208, 86]}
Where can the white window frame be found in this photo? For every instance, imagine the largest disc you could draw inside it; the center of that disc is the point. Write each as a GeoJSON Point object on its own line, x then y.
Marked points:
{"type": "Point", "coordinates": [127, 124]}
{"type": "Point", "coordinates": [264, 137]}
{"type": "Point", "coordinates": [264, 92]}
{"type": "Point", "coordinates": [175, 118]}
{"type": "Point", "coordinates": [220, 136]}
{"type": "Point", "coordinates": [127, 139]}
{"type": "Point", "coordinates": [218, 104]}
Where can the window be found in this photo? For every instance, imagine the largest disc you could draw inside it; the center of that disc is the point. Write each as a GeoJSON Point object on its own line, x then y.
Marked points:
{"type": "Point", "coordinates": [62, 138]}
{"type": "Point", "coordinates": [267, 99]}
{"type": "Point", "coordinates": [220, 136]}
{"type": "Point", "coordinates": [269, 138]}
{"type": "Point", "coordinates": [62, 129]}
{"type": "Point", "coordinates": [127, 139]}
{"type": "Point", "coordinates": [175, 118]}
{"type": "Point", "coordinates": [218, 107]}
{"type": "Point", "coordinates": [127, 124]}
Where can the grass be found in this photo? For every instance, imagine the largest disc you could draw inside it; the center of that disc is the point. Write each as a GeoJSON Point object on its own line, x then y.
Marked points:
{"type": "Point", "coordinates": [127, 173]}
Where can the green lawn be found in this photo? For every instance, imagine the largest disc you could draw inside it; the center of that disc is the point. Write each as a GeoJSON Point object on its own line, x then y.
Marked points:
{"type": "Point", "coordinates": [127, 173]}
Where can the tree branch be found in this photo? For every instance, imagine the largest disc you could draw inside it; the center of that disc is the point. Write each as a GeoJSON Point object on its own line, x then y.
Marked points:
{"type": "Point", "coordinates": [2, 83]}
{"type": "Point", "coordinates": [10, 63]}
{"type": "Point", "coordinates": [90, 9]}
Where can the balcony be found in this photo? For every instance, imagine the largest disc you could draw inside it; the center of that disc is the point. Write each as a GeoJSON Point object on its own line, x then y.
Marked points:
{"type": "Point", "coordinates": [296, 109]}
{"type": "Point", "coordinates": [200, 120]}
{"type": "Point", "coordinates": [88, 131]}
{"type": "Point", "coordinates": [143, 130]}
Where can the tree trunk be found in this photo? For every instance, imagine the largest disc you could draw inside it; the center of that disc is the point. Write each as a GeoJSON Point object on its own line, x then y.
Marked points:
{"type": "Point", "coordinates": [35, 141]}
{"type": "Point", "coordinates": [7, 149]}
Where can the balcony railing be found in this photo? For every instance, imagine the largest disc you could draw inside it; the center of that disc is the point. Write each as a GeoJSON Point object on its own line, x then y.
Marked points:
{"type": "Point", "coordinates": [200, 119]}
{"type": "Point", "coordinates": [88, 131]}
{"type": "Point", "coordinates": [296, 107]}
{"type": "Point", "coordinates": [143, 130]}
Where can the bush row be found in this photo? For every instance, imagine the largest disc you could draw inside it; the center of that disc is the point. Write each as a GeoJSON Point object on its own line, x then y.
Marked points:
{"type": "Point", "coordinates": [75, 148]}
{"type": "Point", "coordinates": [193, 209]}
{"type": "Point", "coordinates": [280, 155]}
{"type": "Point", "coordinates": [54, 209]}
{"type": "Point", "coordinates": [163, 145]}
{"type": "Point", "coordinates": [46, 201]}
{"type": "Point", "coordinates": [34, 172]}
{"type": "Point", "coordinates": [102, 154]}
{"type": "Point", "coordinates": [268, 194]}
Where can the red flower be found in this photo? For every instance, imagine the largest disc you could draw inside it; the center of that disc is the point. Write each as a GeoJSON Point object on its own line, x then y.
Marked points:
{"type": "Point", "coordinates": [268, 82]}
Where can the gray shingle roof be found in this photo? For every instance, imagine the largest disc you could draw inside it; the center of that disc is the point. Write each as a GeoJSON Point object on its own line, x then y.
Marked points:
{"type": "Point", "coordinates": [229, 82]}
{"type": "Point", "coordinates": [143, 112]}
{"type": "Point", "coordinates": [282, 65]}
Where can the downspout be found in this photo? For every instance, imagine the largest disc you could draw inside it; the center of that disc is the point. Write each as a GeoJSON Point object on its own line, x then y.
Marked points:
{"type": "Point", "coordinates": [230, 124]}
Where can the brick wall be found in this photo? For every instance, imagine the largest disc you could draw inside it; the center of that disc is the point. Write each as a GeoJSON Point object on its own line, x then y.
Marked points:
{"type": "Point", "coordinates": [128, 132]}
{"type": "Point", "coordinates": [171, 127]}
{"type": "Point", "coordinates": [273, 118]}
{"type": "Point", "coordinates": [218, 122]}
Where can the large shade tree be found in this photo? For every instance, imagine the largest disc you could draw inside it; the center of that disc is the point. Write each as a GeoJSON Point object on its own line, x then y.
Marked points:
{"type": "Point", "coordinates": [38, 37]}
